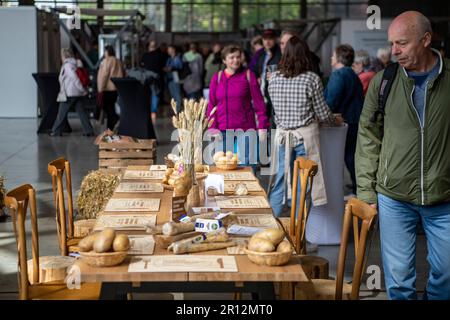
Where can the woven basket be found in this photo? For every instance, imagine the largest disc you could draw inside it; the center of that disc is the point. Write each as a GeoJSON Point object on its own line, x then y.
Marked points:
{"type": "Point", "coordinates": [106, 259]}
{"type": "Point", "coordinates": [227, 166]}
{"type": "Point", "coordinates": [268, 258]}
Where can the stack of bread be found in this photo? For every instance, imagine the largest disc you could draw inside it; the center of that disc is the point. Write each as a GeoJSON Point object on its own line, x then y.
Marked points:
{"type": "Point", "coordinates": [225, 161]}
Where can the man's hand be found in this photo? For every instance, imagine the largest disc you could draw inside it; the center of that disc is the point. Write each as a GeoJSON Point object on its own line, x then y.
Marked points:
{"type": "Point", "coordinates": [373, 205]}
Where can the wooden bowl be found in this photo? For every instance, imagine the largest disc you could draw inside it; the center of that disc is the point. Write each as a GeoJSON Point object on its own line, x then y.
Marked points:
{"type": "Point", "coordinates": [105, 259]}
{"type": "Point", "coordinates": [268, 258]}
{"type": "Point", "coordinates": [226, 166]}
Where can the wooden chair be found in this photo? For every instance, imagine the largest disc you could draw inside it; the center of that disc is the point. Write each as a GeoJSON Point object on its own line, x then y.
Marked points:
{"type": "Point", "coordinates": [64, 222]}
{"type": "Point", "coordinates": [35, 280]}
{"type": "Point", "coordinates": [306, 169]}
{"type": "Point", "coordinates": [313, 266]}
{"type": "Point", "coordinates": [356, 211]}
{"type": "Point", "coordinates": [295, 226]}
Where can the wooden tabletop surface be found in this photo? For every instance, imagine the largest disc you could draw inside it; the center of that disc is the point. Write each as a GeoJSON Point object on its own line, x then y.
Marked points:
{"type": "Point", "coordinates": [247, 270]}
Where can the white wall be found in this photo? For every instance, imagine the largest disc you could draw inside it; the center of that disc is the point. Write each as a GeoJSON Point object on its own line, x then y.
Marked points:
{"type": "Point", "coordinates": [356, 33]}
{"type": "Point", "coordinates": [18, 60]}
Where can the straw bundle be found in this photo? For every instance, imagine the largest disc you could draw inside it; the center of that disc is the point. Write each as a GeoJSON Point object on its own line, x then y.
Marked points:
{"type": "Point", "coordinates": [96, 189]}
{"type": "Point", "coordinates": [191, 124]}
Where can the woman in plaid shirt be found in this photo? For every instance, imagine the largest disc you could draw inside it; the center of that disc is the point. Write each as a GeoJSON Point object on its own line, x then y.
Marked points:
{"type": "Point", "coordinates": [297, 97]}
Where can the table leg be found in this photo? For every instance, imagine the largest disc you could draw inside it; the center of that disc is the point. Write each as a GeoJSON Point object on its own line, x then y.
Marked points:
{"type": "Point", "coordinates": [266, 291]}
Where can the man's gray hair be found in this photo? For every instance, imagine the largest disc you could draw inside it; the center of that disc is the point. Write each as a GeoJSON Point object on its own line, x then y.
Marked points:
{"type": "Point", "coordinates": [362, 56]}
{"type": "Point", "coordinates": [384, 52]}
{"type": "Point", "coordinates": [66, 53]}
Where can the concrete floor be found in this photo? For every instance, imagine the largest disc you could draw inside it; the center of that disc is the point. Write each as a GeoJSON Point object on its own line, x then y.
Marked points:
{"type": "Point", "coordinates": [24, 157]}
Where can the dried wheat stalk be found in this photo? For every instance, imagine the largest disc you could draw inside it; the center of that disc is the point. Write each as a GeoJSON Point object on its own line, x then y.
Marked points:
{"type": "Point", "coordinates": [191, 124]}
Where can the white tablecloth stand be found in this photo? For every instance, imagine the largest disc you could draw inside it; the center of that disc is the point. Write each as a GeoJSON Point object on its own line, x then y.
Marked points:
{"type": "Point", "coordinates": [324, 224]}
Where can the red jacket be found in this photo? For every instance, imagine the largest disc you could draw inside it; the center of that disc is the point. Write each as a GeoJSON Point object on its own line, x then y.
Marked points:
{"type": "Point", "coordinates": [365, 78]}
{"type": "Point", "coordinates": [233, 97]}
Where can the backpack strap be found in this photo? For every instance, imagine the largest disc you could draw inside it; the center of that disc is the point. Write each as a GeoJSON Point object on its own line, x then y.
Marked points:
{"type": "Point", "coordinates": [386, 84]}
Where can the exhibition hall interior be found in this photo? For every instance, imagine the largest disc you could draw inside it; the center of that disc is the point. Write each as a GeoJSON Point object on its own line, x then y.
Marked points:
{"type": "Point", "coordinates": [224, 150]}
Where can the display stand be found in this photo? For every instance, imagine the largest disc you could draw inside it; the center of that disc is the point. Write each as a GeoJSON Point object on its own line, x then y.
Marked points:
{"type": "Point", "coordinates": [49, 88]}
{"type": "Point", "coordinates": [324, 224]}
{"type": "Point", "coordinates": [135, 120]}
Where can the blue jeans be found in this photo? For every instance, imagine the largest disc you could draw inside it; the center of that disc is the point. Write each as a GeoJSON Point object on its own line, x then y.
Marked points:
{"type": "Point", "coordinates": [277, 190]}
{"type": "Point", "coordinates": [175, 92]}
{"type": "Point", "coordinates": [398, 225]}
{"type": "Point", "coordinates": [155, 101]}
{"type": "Point", "coordinates": [247, 150]}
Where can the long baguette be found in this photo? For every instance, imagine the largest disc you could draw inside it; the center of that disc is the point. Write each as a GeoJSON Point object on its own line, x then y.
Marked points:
{"type": "Point", "coordinates": [210, 215]}
{"type": "Point", "coordinates": [173, 228]}
{"type": "Point", "coordinates": [199, 247]}
{"type": "Point", "coordinates": [219, 235]}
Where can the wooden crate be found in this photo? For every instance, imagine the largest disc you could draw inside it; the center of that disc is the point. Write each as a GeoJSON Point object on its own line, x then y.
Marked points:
{"type": "Point", "coordinates": [119, 155]}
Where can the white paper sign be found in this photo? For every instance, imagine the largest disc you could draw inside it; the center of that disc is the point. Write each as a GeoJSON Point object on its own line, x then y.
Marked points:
{"type": "Point", "coordinates": [242, 202]}
{"type": "Point", "coordinates": [201, 210]}
{"type": "Point", "coordinates": [183, 263]}
{"type": "Point", "coordinates": [216, 181]}
{"type": "Point", "coordinates": [158, 167]}
{"type": "Point", "coordinates": [139, 205]}
{"type": "Point", "coordinates": [125, 222]}
{"type": "Point", "coordinates": [234, 175]}
{"type": "Point", "coordinates": [243, 230]}
{"type": "Point", "coordinates": [142, 174]}
{"type": "Point", "coordinates": [140, 187]}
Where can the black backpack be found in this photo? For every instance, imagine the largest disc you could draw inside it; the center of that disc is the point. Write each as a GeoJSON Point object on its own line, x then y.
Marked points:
{"type": "Point", "coordinates": [386, 84]}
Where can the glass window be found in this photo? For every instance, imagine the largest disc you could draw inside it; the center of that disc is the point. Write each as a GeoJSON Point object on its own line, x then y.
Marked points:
{"type": "Point", "coordinates": [202, 15]}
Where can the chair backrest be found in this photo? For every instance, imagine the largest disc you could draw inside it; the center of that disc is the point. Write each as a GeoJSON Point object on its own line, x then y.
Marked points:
{"type": "Point", "coordinates": [57, 168]}
{"type": "Point", "coordinates": [304, 169]}
{"type": "Point", "coordinates": [17, 201]}
{"type": "Point", "coordinates": [356, 211]}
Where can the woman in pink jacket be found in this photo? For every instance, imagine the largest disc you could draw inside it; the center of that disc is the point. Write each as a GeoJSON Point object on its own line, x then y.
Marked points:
{"type": "Point", "coordinates": [241, 112]}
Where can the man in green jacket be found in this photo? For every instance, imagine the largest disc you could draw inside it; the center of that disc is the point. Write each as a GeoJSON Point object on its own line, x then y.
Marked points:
{"type": "Point", "coordinates": [404, 165]}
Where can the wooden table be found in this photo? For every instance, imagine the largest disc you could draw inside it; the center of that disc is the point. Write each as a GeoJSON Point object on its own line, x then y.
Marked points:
{"type": "Point", "coordinates": [117, 281]}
